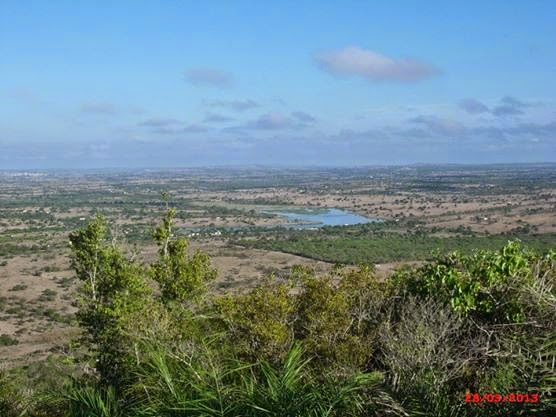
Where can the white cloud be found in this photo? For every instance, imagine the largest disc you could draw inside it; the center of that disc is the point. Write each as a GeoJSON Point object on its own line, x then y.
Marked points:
{"type": "Point", "coordinates": [271, 121]}
{"type": "Point", "coordinates": [159, 122]}
{"type": "Point", "coordinates": [304, 117]}
{"type": "Point", "coordinates": [208, 76]}
{"type": "Point", "coordinates": [235, 105]}
{"type": "Point", "coordinates": [104, 107]}
{"type": "Point", "coordinates": [472, 106]}
{"type": "Point", "coordinates": [509, 106]}
{"type": "Point", "coordinates": [438, 125]}
{"type": "Point", "coordinates": [217, 118]}
{"type": "Point", "coordinates": [193, 128]}
{"type": "Point", "coordinates": [353, 60]}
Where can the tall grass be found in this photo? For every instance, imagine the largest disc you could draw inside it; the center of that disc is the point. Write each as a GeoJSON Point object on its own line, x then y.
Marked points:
{"type": "Point", "coordinates": [81, 400]}
{"type": "Point", "coordinates": [200, 383]}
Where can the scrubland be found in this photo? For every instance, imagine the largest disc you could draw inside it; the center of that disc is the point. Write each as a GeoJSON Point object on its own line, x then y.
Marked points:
{"type": "Point", "coordinates": [225, 312]}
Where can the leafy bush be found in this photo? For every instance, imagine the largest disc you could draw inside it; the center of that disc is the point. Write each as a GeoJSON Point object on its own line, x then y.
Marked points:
{"type": "Point", "coordinates": [259, 323]}
{"type": "Point", "coordinates": [490, 286]}
{"type": "Point", "coordinates": [331, 315]}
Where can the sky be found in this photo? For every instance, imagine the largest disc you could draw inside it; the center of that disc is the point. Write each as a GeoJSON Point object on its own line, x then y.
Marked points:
{"type": "Point", "coordinates": [103, 84]}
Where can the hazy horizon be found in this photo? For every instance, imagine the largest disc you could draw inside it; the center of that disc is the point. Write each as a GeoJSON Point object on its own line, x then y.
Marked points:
{"type": "Point", "coordinates": [290, 84]}
{"type": "Point", "coordinates": [162, 169]}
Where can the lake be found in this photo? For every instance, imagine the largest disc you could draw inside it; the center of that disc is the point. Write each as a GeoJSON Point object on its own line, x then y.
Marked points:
{"type": "Point", "coordinates": [307, 218]}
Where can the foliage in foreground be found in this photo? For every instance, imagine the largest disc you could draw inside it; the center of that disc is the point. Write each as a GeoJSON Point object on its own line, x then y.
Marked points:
{"type": "Point", "coordinates": [156, 343]}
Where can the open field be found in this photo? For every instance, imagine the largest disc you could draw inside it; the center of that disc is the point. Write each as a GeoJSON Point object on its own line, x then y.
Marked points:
{"type": "Point", "coordinates": [423, 208]}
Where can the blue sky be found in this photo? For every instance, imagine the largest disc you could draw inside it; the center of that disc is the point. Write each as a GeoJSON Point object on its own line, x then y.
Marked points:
{"type": "Point", "coordinates": [183, 83]}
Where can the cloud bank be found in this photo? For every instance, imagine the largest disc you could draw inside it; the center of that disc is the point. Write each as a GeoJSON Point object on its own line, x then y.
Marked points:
{"type": "Point", "coordinates": [423, 139]}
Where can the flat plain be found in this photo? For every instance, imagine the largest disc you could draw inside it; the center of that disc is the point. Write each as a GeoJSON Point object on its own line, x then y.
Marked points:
{"type": "Point", "coordinates": [224, 212]}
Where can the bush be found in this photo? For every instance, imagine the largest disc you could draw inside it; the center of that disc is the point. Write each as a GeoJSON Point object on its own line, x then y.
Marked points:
{"type": "Point", "coordinates": [7, 340]}
{"type": "Point", "coordinates": [259, 323]}
{"type": "Point", "coordinates": [19, 287]}
{"type": "Point", "coordinates": [48, 295]}
{"type": "Point", "coordinates": [494, 287]}
{"type": "Point", "coordinates": [333, 316]}
{"type": "Point", "coordinates": [424, 357]}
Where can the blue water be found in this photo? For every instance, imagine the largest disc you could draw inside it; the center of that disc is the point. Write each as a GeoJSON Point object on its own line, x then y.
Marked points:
{"type": "Point", "coordinates": [317, 218]}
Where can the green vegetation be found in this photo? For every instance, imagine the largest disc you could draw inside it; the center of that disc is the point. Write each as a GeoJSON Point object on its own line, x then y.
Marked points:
{"type": "Point", "coordinates": [179, 277]}
{"type": "Point", "coordinates": [18, 287]}
{"type": "Point", "coordinates": [6, 340]}
{"type": "Point", "coordinates": [155, 342]}
{"type": "Point", "coordinates": [356, 245]}
{"type": "Point", "coordinates": [48, 295]}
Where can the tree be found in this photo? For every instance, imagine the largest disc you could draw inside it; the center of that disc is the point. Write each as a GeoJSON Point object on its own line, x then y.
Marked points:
{"type": "Point", "coordinates": [113, 299]}
{"type": "Point", "coordinates": [181, 278]}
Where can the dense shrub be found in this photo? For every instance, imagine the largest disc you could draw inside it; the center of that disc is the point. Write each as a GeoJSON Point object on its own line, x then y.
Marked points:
{"type": "Point", "coordinates": [331, 315]}
{"type": "Point", "coordinates": [511, 285]}
{"type": "Point", "coordinates": [259, 323]}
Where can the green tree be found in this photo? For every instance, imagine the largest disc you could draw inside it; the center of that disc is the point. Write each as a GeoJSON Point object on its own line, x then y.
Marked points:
{"type": "Point", "coordinates": [181, 277]}
{"type": "Point", "coordinates": [113, 299]}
